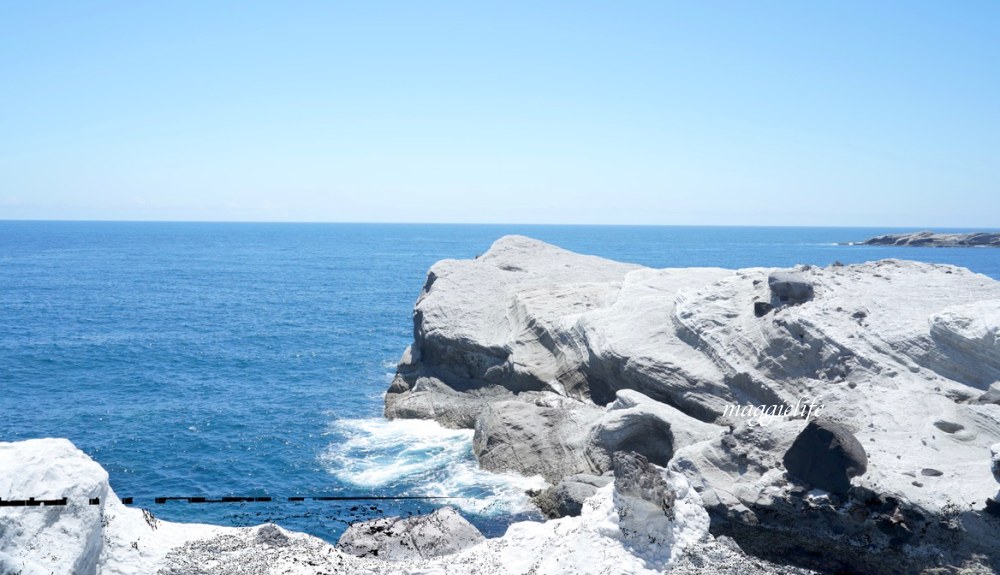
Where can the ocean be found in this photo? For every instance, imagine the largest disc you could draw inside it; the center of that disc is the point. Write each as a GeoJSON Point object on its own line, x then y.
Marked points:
{"type": "Point", "coordinates": [227, 359]}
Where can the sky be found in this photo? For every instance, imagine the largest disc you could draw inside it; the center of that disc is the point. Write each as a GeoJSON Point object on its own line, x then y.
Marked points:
{"type": "Point", "coordinates": [846, 113]}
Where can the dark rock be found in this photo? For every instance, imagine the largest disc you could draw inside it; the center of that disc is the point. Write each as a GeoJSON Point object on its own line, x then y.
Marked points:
{"type": "Point", "coordinates": [931, 239]}
{"type": "Point", "coordinates": [636, 477]}
{"type": "Point", "coordinates": [271, 534]}
{"type": "Point", "coordinates": [790, 288]}
{"type": "Point", "coordinates": [566, 498]}
{"type": "Point", "coordinates": [826, 455]}
{"type": "Point", "coordinates": [993, 507]}
{"type": "Point", "coordinates": [394, 539]}
{"type": "Point", "coordinates": [760, 308]}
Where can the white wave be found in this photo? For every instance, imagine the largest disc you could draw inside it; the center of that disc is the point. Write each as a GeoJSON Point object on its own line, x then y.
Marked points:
{"type": "Point", "coordinates": [418, 457]}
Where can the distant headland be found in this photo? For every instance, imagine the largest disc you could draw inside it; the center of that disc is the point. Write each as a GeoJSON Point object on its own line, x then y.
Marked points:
{"type": "Point", "coordinates": [935, 240]}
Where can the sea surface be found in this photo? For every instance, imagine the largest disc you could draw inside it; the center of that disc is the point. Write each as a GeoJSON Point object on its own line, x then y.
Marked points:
{"type": "Point", "coordinates": [212, 359]}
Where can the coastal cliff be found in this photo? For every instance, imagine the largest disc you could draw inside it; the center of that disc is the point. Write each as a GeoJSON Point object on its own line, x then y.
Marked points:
{"type": "Point", "coordinates": [559, 360]}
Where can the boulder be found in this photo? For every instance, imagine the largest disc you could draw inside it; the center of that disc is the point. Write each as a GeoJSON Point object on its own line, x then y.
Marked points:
{"type": "Point", "coordinates": [565, 499]}
{"type": "Point", "coordinates": [637, 478]}
{"type": "Point", "coordinates": [789, 288]}
{"type": "Point", "coordinates": [92, 533]}
{"type": "Point", "coordinates": [442, 532]}
{"type": "Point", "coordinates": [657, 509]}
{"type": "Point", "coordinates": [826, 455]}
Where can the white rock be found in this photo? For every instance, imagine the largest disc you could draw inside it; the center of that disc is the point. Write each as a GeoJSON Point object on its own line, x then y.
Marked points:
{"type": "Point", "coordinates": [884, 346]}
{"type": "Point", "coordinates": [108, 538]}
{"type": "Point", "coordinates": [636, 423]}
{"type": "Point", "coordinates": [114, 539]}
{"type": "Point", "coordinates": [897, 351]}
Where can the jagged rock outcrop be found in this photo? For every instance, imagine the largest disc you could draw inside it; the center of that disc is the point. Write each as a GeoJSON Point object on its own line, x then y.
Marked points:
{"type": "Point", "coordinates": [443, 532]}
{"type": "Point", "coordinates": [899, 353]}
{"type": "Point", "coordinates": [647, 510]}
{"type": "Point", "coordinates": [931, 239]}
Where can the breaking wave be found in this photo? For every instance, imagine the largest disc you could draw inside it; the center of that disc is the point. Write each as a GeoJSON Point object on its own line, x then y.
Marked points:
{"type": "Point", "coordinates": [419, 457]}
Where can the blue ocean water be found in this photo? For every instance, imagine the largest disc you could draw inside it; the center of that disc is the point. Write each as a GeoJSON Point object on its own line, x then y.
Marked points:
{"type": "Point", "coordinates": [209, 359]}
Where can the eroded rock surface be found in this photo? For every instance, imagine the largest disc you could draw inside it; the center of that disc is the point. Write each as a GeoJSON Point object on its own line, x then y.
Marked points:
{"type": "Point", "coordinates": [565, 499]}
{"type": "Point", "coordinates": [900, 353]}
{"type": "Point", "coordinates": [442, 532]}
{"type": "Point", "coordinates": [826, 455]}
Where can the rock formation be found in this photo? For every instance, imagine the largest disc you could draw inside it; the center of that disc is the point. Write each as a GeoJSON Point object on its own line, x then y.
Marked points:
{"type": "Point", "coordinates": [623, 529]}
{"type": "Point", "coordinates": [565, 499]}
{"type": "Point", "coordinates": [442, 532]}
{"type": "Point", "coordinates": [685, 387]}
{"type": "Point", "coordinates": [931, 239]}
{"type": "Point", "coordinates": [560, 360]}
{"type": "Point", "coordinates": [76, 538]}
{"type": "Point", "coordinates": [826, 455]}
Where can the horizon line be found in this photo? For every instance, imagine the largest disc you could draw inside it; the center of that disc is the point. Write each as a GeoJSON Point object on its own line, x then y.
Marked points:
{"type": "Point", "coordinates": [526, 224]}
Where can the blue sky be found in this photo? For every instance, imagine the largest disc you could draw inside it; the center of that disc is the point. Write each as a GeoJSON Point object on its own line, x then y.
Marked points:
{"type": "Point", "coordinates": [754, 113]}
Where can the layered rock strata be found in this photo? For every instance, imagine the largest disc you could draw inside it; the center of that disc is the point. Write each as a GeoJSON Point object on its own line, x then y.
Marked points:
{"type": "Point", "coordinates": [559, 360]}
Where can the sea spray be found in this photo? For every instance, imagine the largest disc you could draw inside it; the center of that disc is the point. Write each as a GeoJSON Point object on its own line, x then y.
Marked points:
{"type": "Point", "coordinates": [420, 457]}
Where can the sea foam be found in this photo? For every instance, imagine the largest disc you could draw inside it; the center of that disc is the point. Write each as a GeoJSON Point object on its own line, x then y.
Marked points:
{"type": "Point", "coordinates": [421, 458]}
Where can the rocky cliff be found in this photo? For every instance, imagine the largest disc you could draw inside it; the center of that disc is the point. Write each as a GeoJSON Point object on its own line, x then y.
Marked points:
{"type": "Point", "coordinates": [559, 360]}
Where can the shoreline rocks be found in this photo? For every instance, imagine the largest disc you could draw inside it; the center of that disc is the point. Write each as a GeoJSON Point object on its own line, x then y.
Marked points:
{"type": "Point", "coordinates": [443, 532]}
{"type": "Point", "coordinates": [936, 240]}
{"type": "Point", "coordinates": [623, 530]}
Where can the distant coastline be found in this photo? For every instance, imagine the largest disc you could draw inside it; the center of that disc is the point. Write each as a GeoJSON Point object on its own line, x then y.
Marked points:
{"type": "Point", "coordinates": [928, 239]}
